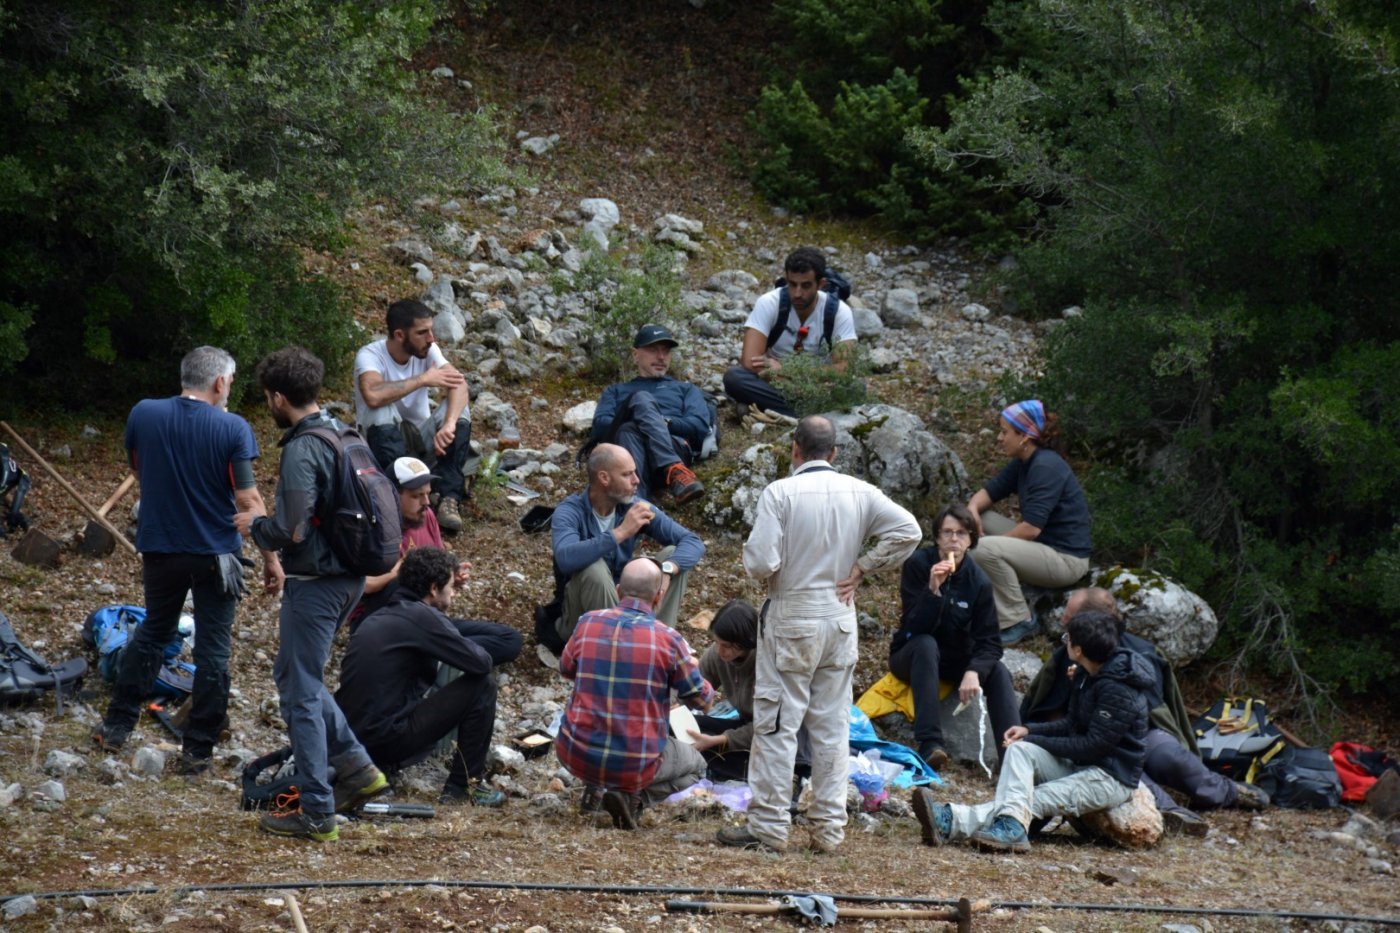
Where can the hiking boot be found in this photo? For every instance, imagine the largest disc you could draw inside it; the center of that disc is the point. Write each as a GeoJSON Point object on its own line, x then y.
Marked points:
{"type": "Point", "coordinates": [1004, 834]}
{"type": "Point", "coordinates": [1184, 823]}
{"type": "Point", "coordinates": [682, 484]}
{"type": "Point", "coordinates": [623, 808]}
{"type": "Point", "coordinates": [935, 755]}
{"type": "Point", "coordinates": [299, 824]}
{"type": "Point", "coordinates": [821, 846]}
{"type": "Point", "coordinates": [191, 765]}
{"type": "Point", "coordinates": [1250, 796]}
{"type": "Point", "coordinates": [935, 819]}
{"type": "Point", "coordinates": [475, 793]}
{"type": "Point", "coordinates": [110, 738]}
{"type": "Point", "coordinates": [739, 837]}
{"type": "Point", "coordinates": [449, 515]}
{"type": "Point", "coordinates": [357, 787]}
{"type": "Point", "coordinates": [592, 799]}
{"type": "Point", "coordinates": [1018, 632]}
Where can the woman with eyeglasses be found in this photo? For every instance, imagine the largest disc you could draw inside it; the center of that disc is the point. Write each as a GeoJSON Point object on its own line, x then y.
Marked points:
{"type": "Point", "coordinates": [1049, 546]}
{"type": "Point", "coordinates": [948, 631]}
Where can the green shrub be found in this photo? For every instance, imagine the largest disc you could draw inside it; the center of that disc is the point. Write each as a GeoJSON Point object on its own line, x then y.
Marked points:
{"type": "Point", "coordinates": [621, 300]}
{"type": "Point", "coordinates": [812, 386]}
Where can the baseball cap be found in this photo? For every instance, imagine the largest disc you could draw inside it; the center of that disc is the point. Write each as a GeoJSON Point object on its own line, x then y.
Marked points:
{"type": "Point", "coordinates": [411, 473]}
{"type": "Point", "coordinates": [653, 333]}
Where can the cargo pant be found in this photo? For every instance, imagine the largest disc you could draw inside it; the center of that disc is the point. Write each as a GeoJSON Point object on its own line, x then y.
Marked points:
{"type": "Point", "coordinates": [1008, 562]}
{"type": "Point", "coordinates": [806, 660]}
{"type": "Point", "coordinates": [1035, 784]}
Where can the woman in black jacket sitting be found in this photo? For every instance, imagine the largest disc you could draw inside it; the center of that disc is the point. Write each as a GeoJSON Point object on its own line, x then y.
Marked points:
{"type": "Point", "coordinates": [948, 631]}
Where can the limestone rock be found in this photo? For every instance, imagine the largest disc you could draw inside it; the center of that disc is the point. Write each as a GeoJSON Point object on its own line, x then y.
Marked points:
{"type": "Point", "coordinates": [1023, 666]}
{"type": "Point", "coordinates": [868, 323]}
{"type": "Point", "coordinates": [63, 764]}
{"type": "Point", "coordinates": [21, 906]}
{"type": "Point", "coordinates": [892, 448]}
{"type": "Point", "coordinates": [409, 251]}
{"type": "Point", "coordinates": [504, 759]}
{"type": "Point", "coordinates": [1135, 823]}
{"type": "Point", "coordinates": [1164, 612]}
{"type": "Point", "coordinates": [539, 145]}
{"type": "Point", "coordinates": [731, 278]}
{"type": "Point", "coordinates": [901, 308]}
{"type": "Point", "coordinates": [976, 312]}
{"type": "Point", "coordinates": [579, 419]}
{"type": "Point", "coordinates": [51, 790]}
{"type": "Point", "coordinates": [148, 762]}
{"type": "Point", "coordinates": [731, 499]}
{"type": "Point", "coordinates": [600, 211]}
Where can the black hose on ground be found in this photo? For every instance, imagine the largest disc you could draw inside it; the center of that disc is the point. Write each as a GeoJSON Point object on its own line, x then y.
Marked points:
{"type": "Point", "coordinates": [645, 889]}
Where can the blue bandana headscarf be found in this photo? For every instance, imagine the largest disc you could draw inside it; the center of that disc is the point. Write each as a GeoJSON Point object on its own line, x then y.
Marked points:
{"type": "Point", "coordinates": [1028, 417]}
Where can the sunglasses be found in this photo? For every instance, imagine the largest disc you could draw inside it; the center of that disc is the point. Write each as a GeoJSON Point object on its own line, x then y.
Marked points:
{"type": "Point", "coordinates": [801, 337]}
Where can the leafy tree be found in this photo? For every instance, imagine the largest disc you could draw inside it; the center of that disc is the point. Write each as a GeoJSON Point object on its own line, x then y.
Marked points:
{"type": "Point", "coordinates": [163, 164]}
{"type": "Point", "coordinates": [1220, 186]}
{"type": "Point", "coordinates": [833, 140]}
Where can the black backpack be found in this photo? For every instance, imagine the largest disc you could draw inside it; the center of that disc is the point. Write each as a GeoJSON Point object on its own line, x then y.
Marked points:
{"type": "Point", "coordinates": [1301, 779]}
{"type": "Point", "coordinates": [361, 520]}
{"type": "Point", "coordinates": [14, 485]}
{"type": "Point", "coordinates": [1247, 740]}
{"type": "Point", "coordinates": [837, 286]}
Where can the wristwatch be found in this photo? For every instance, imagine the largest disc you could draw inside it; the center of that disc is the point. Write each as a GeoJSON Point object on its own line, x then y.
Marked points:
{"type": "Point", "coordinates": [669, 568]}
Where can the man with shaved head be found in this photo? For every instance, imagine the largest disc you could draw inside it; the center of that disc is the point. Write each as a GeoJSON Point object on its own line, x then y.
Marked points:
{"type": "Point", "coordinates": [624, 665]}
{"type": "Point", "coordinates": [595, 532]}
{"type": "Point", "coordinates": [1172, 760]}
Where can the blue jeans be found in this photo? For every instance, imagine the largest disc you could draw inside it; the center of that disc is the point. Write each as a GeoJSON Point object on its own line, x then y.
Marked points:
{"type": "Point", "coordinates": [320, 737]}
{"type": "Point", "coordinates": [167, 579]}
{"type": "Point", "coordinates": [640, 428]}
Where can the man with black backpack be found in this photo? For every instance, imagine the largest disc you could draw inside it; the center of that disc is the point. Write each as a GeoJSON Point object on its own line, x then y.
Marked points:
{"type": "Point", "coordinates": [661, 421]}
{"type": "Point", "coordinates": [806, 313]}
{"type": "Point", "coordinates": [322, 587]}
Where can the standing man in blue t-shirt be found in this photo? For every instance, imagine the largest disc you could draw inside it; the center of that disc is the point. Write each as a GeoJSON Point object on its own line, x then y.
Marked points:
{"type": "Point", "coordinates": [194, 461]}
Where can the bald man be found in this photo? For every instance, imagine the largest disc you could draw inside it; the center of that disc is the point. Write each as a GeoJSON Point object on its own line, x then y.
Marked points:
{"type": "Point", "coordinates": [624, 665]}
{"type": "Point", "coordinates": [595, 532]}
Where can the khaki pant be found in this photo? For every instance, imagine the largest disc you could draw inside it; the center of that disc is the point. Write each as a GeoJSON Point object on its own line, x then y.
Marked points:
{"type": "Point", "coordinates": [1008, 562]}
{"type": "Point", "coordinates": [681, 766]}
{"type": "Point", "coordinates": [593, 588]}
{"type": "Point", "coordinates": [806, 658]}
{"type": "Point", "coordinates": [1034, 784]}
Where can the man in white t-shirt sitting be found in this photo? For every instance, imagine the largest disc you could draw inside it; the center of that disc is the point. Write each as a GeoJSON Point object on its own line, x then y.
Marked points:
{"type": "Point", "coordinates": [770, 336]}
{"type": "Point", "coordinates": [392, 378]}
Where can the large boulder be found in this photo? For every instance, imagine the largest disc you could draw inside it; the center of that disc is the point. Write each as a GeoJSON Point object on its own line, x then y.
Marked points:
{"type": "Point", "coordinates": [881, 444]}
{"type": "Point", "coordinates": [901, 308]}
{"type": "Point", "coordinates": [893, 449]}
{"type": "Point", "coordinates": [1164, 612]}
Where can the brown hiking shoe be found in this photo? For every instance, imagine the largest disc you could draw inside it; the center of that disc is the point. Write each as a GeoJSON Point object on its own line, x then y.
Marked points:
{"type": "Point", "coordinates": [623, 808]}
{"type": "Point", "coordinates": [682, 484]}
{"type": "Point", "coordinates": [449, 515]}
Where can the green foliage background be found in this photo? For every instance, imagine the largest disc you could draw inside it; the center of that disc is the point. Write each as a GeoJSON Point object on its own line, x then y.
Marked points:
{"type": "Point", "coordinates": [1219, 188]}
{"type": "Point", "coordinates": [163, 166]}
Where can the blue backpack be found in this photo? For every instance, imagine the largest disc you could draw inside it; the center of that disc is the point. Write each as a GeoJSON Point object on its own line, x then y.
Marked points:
{"type": "Point", "coordinates": [108, 631]}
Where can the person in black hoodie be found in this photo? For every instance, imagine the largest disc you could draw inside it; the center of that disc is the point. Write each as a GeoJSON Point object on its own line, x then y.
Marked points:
{"type": "Point", "coordinates": [392, 661]}
{"type": "Point", "coordinates": [948, 631]}
{"type": "Point", "coordinates": [1089, 760]}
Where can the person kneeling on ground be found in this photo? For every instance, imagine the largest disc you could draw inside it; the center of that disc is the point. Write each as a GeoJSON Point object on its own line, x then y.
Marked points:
{"type": "Point", "coordinates": [1090, 760]}
{"type": "Point", "coordinates": [624, 665]}
{"type": "Point", "coordinates": [948, 631]}
{"type": "Point", "coordinates": [392, 661]}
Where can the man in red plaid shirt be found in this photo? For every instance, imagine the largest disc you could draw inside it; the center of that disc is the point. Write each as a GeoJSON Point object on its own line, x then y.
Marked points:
{"type": "Point", "coordinates": [624, 664]}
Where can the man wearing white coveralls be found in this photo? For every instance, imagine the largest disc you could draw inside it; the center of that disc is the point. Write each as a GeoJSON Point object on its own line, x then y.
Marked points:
{"type": "Point", "coordinates": [807, 536]}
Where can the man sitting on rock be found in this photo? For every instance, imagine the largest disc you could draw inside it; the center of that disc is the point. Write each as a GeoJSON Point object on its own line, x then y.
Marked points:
{"type": "Point", "coordinates": [420, 529]}
{"type": "Point", "coordinates": [392, 661]}
{"type": "Point", "coordinates": [787, 320]}
{"type": "Point", "coordinates": [1090, 760]}
{"type": "Point", "coordinates": [392, 378]}
{"type": "Point", "coordinates": [595, 532]}
{"type": "Point", "coordinates": [624, 665]}
{"type": "Point", "coordinates": [659, 420]}
{"type": "Point", "coordinates": [1171, 760]}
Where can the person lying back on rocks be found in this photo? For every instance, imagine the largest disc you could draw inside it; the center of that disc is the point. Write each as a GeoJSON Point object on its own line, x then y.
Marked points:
{"type": "Point", "coordinates": [1171, 759]}
{"type": "Point", "coordinates": [659, 420]}
{"type": "Point", "coordinates": [1089, 760]}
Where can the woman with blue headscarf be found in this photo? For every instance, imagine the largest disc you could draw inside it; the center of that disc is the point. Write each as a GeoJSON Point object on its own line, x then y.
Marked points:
{"type": "Point", "coordinates": [1049, 546]}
